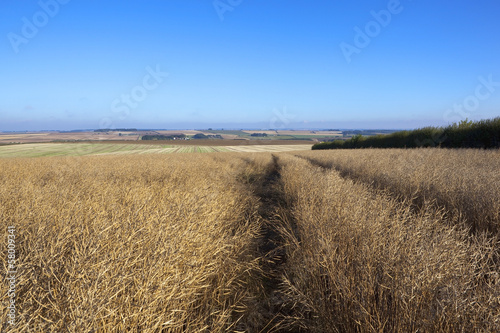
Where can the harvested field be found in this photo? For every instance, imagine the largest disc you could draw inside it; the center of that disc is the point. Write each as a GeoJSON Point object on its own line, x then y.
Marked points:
{"type": "Point", "coordinates": [82, 149]}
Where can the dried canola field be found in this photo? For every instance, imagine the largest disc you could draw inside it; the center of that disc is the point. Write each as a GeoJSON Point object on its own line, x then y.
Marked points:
{"type": "Point", "coordinates": [129, 243]}
{"type": "Point", "coordinates": [304, 241]}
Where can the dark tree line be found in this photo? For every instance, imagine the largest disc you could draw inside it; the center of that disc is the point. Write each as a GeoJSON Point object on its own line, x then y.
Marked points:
{"type": "Point", "coordinates": [465, 134]}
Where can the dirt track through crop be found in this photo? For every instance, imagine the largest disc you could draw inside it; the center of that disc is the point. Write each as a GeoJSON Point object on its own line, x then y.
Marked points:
{"type": "Point", "coordinates": [274, 216]}
{"type": "Point", "coordinates": [270, 250]}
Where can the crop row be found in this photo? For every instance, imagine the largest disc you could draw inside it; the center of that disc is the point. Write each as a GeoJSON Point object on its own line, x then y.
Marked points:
{"type": "Point", "coordinates": [360, 260]}
{"type": "Point", "coordinates": [463, 182]}
{"type": "Point", "coordinates": [129, 243]}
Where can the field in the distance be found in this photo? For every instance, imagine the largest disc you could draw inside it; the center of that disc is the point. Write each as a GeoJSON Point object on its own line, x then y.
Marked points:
{"type": "Point", "coordinates": [136, 135]}
{"type": "Point", "coordinates": [121, 148]}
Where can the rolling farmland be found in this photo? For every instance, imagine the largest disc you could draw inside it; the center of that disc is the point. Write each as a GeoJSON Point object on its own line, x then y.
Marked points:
{"type": "Point", "coordinates": [125, 237]}
{"type": "Point", "coordinates": [244, 137]}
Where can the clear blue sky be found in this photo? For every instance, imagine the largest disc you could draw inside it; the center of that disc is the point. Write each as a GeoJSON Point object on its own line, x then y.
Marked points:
{"type": "Point", "coordinates": [241, 64]}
